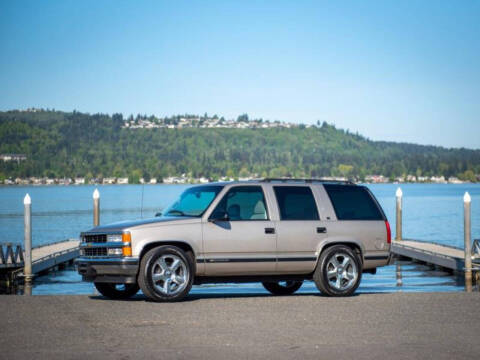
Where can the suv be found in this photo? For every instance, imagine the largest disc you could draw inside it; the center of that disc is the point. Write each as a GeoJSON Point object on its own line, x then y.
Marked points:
{"type": "Point", "coordinates": [276, 231]}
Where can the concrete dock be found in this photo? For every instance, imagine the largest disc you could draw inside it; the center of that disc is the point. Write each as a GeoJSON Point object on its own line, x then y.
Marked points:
{"type": "Point", "coordinates": [366, 326]}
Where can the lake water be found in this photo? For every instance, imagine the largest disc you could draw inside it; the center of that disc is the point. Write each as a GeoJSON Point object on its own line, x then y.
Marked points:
{"type": "Point", "coordinates": [431, 212]}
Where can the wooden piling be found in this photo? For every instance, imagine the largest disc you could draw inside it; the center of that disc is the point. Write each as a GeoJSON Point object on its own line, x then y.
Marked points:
{"type": "Point", "coordinates": [96, 208]}
{"type": "Point", "coordinates": [399, 196]}
{"type": "Point", "coordinates": [27, 271]}
{"type": "Point", "coordinates": [467, 241]}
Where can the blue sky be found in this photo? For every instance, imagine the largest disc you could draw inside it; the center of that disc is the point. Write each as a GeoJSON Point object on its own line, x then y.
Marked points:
{"type": "Point", "coordinates": [391, 70]}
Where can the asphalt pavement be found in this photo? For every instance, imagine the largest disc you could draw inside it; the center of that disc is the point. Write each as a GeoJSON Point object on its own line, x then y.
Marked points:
{"type": "Point", "coordinates": [366, 326]}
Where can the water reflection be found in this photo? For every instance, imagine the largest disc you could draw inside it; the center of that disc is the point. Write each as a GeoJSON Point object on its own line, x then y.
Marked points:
{"type": "Point", "coordinates": [398, 274]}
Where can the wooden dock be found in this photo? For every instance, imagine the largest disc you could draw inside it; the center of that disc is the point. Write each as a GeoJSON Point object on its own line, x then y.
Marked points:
{"type": "Point", "coordinates": [441, 255]}
{"type": "Point", "coordinates": [44, 257]}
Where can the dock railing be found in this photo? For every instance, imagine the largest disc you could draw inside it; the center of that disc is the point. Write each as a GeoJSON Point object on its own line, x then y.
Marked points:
{"type": "Point", "coordinates": [10, 258]}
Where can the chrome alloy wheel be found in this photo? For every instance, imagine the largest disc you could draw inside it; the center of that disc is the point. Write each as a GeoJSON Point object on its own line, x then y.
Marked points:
{"type": "Point", "coordinates": [170, 274]}
{"type": "Point", "coordinates": [342, 271]}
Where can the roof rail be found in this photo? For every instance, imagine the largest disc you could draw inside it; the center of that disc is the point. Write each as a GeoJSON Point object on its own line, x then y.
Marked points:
{"type": "Point", "coordinates": [317, 180]}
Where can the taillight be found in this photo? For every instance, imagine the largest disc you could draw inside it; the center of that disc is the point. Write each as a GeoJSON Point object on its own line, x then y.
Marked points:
{"type": "Point", "coordinates": [389, 232]}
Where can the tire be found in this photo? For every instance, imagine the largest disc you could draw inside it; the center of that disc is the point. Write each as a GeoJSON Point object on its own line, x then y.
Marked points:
{"type": "Point", "coordinates": [166, 274]}
{"type": "Point", "coordinates": [117, 291]}
{"type": "Point", "coordinates": [282, 287]}
{"type": "Point", "coordinates": [339, 271]}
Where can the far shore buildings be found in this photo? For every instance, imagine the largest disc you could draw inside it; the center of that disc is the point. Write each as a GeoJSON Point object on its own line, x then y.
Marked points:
{"type": "Point", "coordinates": [185, 179]}
{"type": "Point", "coordinates": [13, 157]}
{"type": "Point", "coordinates": [206, 122]}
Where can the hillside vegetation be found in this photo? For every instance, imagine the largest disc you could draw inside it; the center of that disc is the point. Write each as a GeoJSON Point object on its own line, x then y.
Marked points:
{"type": "Point", "coordinates": [60, 144]}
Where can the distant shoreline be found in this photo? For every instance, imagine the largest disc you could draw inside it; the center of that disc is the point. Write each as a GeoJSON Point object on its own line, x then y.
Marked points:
{"type": "Point", "coordinates": [202, 183]}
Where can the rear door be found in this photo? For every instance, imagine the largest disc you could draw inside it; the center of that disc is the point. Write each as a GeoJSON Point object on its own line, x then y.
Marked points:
{"type": "Point", "coordinates": [245, 243]}
{"type": "Point", "coordinates": [299, 230]}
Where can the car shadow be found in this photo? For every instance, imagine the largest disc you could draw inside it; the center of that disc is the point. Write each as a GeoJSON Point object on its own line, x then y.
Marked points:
{"type": "Point", "coordinates": [196, 297]}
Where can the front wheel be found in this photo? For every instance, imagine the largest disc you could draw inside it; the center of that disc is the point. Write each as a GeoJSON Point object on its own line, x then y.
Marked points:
{"type": "Point", "coordinates": [117, 291]}
{"type": "Point", "coordinates": [282, 287]}
{"type": "Point", "coordinates": [338, 272]}
{"type": "Point", "coordinates": [166, 274]}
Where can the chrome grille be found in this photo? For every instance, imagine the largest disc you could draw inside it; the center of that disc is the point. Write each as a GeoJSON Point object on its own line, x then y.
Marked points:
{"type": "Point", "coordinates": [100, 238]}
{"type": "Point", "coordinates": [95, 251]}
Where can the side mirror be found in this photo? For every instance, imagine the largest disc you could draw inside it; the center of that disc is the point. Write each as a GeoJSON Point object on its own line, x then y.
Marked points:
{"type": "Point", "coordinates": [158, 214]}
{"type": "Point", "coordinates": [219, 216]}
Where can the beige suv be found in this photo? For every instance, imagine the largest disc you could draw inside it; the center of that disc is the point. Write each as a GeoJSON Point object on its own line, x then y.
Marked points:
{"type": "Point", "coordinates": [276, 231]}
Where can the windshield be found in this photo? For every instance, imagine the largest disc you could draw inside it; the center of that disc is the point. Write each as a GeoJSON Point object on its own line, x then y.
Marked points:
{"type": "Point", "coordinates": [193, 201]}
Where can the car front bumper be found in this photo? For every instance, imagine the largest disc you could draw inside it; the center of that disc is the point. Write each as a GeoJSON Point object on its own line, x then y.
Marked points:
{"type": "Point", "coordinates": [109, 270]}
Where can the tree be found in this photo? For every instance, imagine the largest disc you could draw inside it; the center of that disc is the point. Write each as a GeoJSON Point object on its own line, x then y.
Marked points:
{"type": "Point", "coordinates": [345, 170]}
{"type": "Point", "coordinates": [242, 118]}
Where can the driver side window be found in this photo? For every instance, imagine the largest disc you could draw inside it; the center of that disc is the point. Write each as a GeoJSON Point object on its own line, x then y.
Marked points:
{"type": "Point", "coordinates": [242, 203]}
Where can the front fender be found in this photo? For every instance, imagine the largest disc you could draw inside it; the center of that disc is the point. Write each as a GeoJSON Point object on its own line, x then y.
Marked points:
{"type": "Point", "coordinates": [189, 234]}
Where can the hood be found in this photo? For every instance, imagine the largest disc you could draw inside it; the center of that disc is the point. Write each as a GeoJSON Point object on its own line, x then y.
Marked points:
{"type": "Point", "coordinates": [122, 225]}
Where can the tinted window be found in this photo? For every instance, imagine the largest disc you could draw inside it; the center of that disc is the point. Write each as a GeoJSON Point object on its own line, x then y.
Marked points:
{"type": "Point", "coordinates": [296, 203]}
{"type": "Point", "coordinates": [353, 203]}
{"type": "Point", "coordinates": [242, 203]}
{"type": "Point", "coordinates": [193, 201]}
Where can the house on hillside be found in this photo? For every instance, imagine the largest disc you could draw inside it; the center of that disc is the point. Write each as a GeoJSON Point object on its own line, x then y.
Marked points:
{"type": "Point", "coordinates": [13, 157]}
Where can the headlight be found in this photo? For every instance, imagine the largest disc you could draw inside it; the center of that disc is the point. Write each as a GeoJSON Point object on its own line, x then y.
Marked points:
{"type": "Point", "coordinates": [114, 238]}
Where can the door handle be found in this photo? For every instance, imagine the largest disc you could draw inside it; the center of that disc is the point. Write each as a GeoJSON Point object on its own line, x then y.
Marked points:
{"type": "Point", "coordinates": [269, 230]}
{"type": "Point", "coordinates": [321, 230]}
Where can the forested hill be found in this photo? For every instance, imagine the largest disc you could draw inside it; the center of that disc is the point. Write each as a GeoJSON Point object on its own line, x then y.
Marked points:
{"type": "Point", "coordinates": [59, 144]}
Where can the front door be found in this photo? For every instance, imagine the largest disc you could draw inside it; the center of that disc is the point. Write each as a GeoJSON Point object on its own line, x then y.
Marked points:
{"type": "Point", "coordinates": [239, 237]}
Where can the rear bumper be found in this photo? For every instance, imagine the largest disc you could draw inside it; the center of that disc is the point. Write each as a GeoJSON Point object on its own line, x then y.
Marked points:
{"type": "Point", "coordinates": [111, 270]}
{"type": "Point", "coordinates": [376, 259]}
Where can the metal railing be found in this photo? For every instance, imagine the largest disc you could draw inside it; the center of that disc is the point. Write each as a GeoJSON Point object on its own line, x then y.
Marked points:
{"type": "Point", "coordinates": [10, 258]}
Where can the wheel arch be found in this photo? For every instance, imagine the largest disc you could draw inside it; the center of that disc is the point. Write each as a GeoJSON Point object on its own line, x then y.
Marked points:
{"type": "Point", "coordinates": [354, 245]}
{"type": "Point", "coordinates": [177, 243]}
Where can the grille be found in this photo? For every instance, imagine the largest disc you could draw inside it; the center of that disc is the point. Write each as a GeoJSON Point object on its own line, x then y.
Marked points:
{"type": "Point", "coordinates": [95, 238]}
{"type": "Point", "coordinates": [95, 251]}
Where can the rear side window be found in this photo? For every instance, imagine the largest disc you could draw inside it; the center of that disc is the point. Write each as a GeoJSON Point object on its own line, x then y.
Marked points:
{"type": "Point", "coordinates": [296, 203]}
{"type": "Point", "coordinates": [353, 203]}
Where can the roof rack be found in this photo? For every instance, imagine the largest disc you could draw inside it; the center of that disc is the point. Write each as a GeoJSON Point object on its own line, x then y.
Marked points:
{"type": "Point", "coordinates": [317, 180]}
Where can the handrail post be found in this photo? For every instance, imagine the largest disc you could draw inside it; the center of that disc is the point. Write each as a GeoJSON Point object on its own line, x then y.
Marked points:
{"type": "Point", "coordinates": [467, 241]}
{"type": "Point", "coordinates": [399, 196]}
{"type": "Point", "coordinates": [27, 270]}
{"type": "Point", "coordinates": [96, 208]}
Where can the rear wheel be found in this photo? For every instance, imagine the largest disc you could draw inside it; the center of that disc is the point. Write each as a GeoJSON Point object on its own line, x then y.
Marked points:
{"type": "Point", "coordinates": [282, 287]}
{"type": "Point", "coordinates": [338, 272]}
{"type": "Point", "coordinates": [117, 291]}
{"type": "Point", "coordinates": [166, 274]}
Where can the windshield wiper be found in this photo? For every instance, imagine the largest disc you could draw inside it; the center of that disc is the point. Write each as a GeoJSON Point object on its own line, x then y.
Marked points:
{"type": "Point", "coordinates": [177, 212]}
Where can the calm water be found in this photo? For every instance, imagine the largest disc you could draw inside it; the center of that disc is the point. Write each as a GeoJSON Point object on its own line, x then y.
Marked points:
{"type": "Point", "coordinates": [432, 212]}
